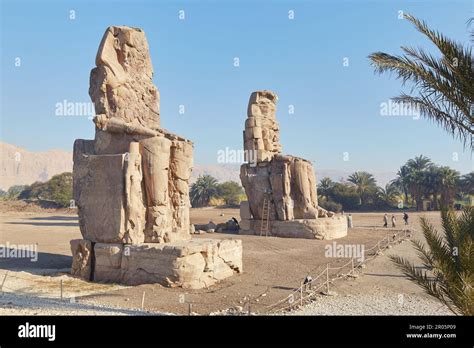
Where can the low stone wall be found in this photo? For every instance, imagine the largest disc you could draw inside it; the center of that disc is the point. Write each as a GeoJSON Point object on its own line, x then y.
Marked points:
{"type": "Point", "coordinates": [189, 264]}
{"type": "Point", "coordinates": [321, 228]}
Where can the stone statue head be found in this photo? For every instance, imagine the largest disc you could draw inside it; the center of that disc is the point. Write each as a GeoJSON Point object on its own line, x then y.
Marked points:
{"type": "Point", "coordinates": [125, 51]}
{"type": "Point", "coordinates": [121, 85]}
{"type": "Point", "coordinates": [262, 104]}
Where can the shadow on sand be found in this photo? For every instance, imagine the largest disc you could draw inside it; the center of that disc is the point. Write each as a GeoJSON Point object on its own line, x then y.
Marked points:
{"type": "Point", "coordinates": [34, 263]}
{"type": "Point", "coordinates": [51, 221]}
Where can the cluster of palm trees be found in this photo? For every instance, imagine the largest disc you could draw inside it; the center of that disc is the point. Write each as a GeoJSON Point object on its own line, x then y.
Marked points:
{"type": "Point", "coordinates": [418, 180]}
{"type": "Point", "coordinates": [359, 191]}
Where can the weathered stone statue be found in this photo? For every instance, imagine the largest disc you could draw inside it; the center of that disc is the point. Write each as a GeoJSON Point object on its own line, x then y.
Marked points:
{"type": "Point", "coordinates": [286, 183]}
{"type": "Point", "coordinates": [131, 184]}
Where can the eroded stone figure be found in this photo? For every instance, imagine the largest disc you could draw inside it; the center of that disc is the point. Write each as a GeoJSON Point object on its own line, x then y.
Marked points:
{"type": "Point", "coordinates": [134, 209]}
{"type": "Point", "coordinates": [127, 106]}
{"type": "Point", "coordinates": [288, 183]}
{"type": "Point", "coordinates": [131, 184]}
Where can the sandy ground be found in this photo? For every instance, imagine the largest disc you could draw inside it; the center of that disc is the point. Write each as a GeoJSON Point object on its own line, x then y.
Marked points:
{"type": "Point", "coordinates": [273, 267]}
{"type": "Point", "coordinates": [381, 289]}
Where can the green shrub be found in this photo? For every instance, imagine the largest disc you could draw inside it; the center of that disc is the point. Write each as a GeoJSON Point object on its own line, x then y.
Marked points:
{"type": "Point", "coordinates": [345, 195]}
{"type": "Point", "coordinates": [231, 192]}
{"type": "Point", "coordinates": [14, 191]}
{"type": "Point", "coordinates": [331, 206]}
{"type": "Point", "coordinates": [57, 189]}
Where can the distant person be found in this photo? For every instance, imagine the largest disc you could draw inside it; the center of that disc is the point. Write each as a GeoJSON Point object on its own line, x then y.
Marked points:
{"type": "Point", "coordinates": [308, 282]}
{"type": "Point", "coordinates": [394, 221]}
{"type": "Point", "coordinates": [385, 220]}
{"type": "Point", "coordinates": [349, 221]}
{"type": "Point", "coordinates": [405, 218]}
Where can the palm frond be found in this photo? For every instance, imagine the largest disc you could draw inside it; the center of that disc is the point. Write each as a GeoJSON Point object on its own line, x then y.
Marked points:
{"type": "Point", "coordinates": [449, 276]}
{"type": "Point", "coordinates": [442, 88]}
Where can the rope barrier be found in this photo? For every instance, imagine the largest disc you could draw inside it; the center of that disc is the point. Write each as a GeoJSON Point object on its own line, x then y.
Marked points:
{"type": "Point", "coordinates": [396, 238]}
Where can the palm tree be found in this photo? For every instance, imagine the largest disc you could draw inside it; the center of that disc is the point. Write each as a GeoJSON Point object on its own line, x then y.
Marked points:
{"type": "Point", "coordinates": [432, 183]}
{"type": "Point", "coordinates": [445, 84]}
{"type": "Point", "coordinates": [449, 183]}
{"type": "Point", "coordinates": [365, 185]}
{"type": "Point", "coordinates": [388, 195]}
{"type": "Point", "coordinates": [419, 163]}
{"type": "Point", "coordinates": [203, 190]}
{"type": "Point", "coordinates": [465, 187]}
{"type": "Point", "coordinates": [402, 182]}
{"type": "Point", "coordinates": [325, 186]}
{"type": "Point", "coordinates": [448, 260]}
{"type": "Point", "coordinates": [466, 183]}
{"type": "Point", "coordinates": [416, 177]}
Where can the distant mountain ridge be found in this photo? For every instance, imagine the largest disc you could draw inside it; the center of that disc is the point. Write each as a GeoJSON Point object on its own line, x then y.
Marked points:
{"type": "Point", "coordinates": [19, 166]}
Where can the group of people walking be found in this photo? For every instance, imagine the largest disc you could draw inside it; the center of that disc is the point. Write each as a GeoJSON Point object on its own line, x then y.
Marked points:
{"type": "Point", "coordinates": [385, 220]}
{"type": "Point", "coordinates": [394, 220]}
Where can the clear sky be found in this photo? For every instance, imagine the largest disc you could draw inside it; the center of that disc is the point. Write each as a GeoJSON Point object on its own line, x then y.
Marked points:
{"type": "Point", "coordinates": [336, 107]}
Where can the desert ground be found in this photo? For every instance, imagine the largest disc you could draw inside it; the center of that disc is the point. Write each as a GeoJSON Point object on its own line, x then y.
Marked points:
{"type": "Point", "coordinates": [273, 268]}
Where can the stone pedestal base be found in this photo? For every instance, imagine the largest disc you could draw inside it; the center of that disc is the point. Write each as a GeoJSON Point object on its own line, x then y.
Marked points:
{"type": "Point", "coordinates": [321, 228]}
{"type": "Point", "coordinates": [190, 264]}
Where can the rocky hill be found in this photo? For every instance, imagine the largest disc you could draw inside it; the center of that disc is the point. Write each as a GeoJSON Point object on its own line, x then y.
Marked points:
{"type": "Point", "coordinates": [22, 167]}
{"type": "Point", "coordinates": [19, 166]}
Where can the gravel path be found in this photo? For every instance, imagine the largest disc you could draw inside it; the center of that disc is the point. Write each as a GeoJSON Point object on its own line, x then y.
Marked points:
{"type": "Point", "coordinates": [380, 289]}
{"type": "Point", "coordinates": [381, 302]}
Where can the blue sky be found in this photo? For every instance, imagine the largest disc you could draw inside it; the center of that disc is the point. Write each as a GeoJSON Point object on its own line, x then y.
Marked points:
{"type": "Point", "coordinates": [337, 107]}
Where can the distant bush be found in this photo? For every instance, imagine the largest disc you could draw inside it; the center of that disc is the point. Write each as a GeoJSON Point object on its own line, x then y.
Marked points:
{"type": "Point", "coordinates": [231, 192]}
{"type": "Point", "coordinates": [345, 195]}
{"type": "Point", "coordinates": [14, 191]}
{"type": "Point", "coordinates": [57, 189]}
{"type": "Point", "coordinates": [33, 191]}
{"type": "Point", "coordinates": [60, 189]}
{"type": "Point", "coordinates": [330, 205]}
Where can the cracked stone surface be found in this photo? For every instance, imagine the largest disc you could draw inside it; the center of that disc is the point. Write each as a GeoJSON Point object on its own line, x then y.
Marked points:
{"type": "Point", "coordinates": [287, 182]}
{"type": "Point", "coordinates": [131, 183]}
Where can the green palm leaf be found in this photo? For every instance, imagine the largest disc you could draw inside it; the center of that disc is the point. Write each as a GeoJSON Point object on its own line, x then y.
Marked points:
{"type": "Point", "coordinates": [448, 260]}
{"type": "Point", "coordinates": [442, 88]}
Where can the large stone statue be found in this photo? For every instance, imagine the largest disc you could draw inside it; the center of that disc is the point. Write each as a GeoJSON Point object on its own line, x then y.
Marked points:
{"type": "Point", "coordinates": [131, 184]}
{"type": "Point", "coordinates": [280, 188]}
